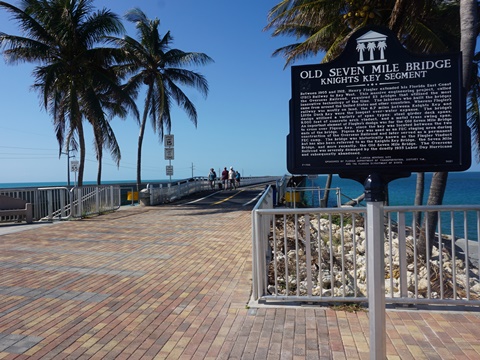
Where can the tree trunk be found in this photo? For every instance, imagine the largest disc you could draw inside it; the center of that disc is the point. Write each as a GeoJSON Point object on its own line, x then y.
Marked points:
{"type": "Point", "coordinates": [139, 154]}
{"type": "Point", "coordinates": [468, 25]}
{"type": "Point", "coordinates": [328, 183]}
{"type": "Point", "coordinates": [468, 38]}
{"type": "Point", "coordinates": [81, 140]}
{"type": "Point", "coordinates": [99, 168]}
{"type": "Point", "coordinates": [419, 191]}
{"type": "Point", "coordinates": [140, 141]}
{"type": "Point", "coordinates": [435, 197]}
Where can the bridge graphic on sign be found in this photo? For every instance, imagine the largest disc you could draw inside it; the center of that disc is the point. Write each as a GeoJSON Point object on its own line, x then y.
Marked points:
{"type": "Point", "coordinates": [373, 44]}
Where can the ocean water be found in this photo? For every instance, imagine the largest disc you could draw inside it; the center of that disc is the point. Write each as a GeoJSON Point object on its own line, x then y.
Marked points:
{"type": "Point", "coordinates": [463, 188]}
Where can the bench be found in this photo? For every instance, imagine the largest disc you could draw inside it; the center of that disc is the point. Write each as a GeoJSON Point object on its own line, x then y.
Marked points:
{"type": "Point", "coordinates": [10, 206]}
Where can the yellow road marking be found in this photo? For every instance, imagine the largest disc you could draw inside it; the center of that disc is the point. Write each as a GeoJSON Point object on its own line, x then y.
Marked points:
{"type": "Point", "coordinates": [228, 198]}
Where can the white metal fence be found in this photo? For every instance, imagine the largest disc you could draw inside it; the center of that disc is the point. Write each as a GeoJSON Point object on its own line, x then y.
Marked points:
{"type": "Point", "coordinates": [320, 254]}
{"type": "Point", "coordinates": [61, 203]}
{"type": "Point", "coordinates": [55, 203]}
{"type": "Point", "coordinates": [165, 193]}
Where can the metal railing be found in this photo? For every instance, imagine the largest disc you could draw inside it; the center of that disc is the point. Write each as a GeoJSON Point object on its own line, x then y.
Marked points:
{"type": "Point", "coordinates": [320, 254]}
{"type": "Point", "coordinates": [90, 200]}
{"type": "Point", "coordinates": [54, 203]}
{"type": "Point", "coordinates": [310, 196]}
{"type": "Point", "coordinates": [166, 193]}
{"type": "Point", "coordinates": [61, 203]}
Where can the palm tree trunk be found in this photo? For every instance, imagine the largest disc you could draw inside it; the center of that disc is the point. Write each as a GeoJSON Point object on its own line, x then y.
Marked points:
{"type": "Point", "coordinates": [435, 197]}
{"type": "Point", "coordinates": [468, 25]}
{"type": "Point", "coordinates": [99, 168]}
{"type": "Point", "coordinates": [140, 141]}
{"type": "Point", "coordinates": [468, 38]}
{"type": "Point", "coordinates": [419, 190]}
{"type": "Point", "coordinates": [398, 15]}
{"type": "Point", "coordinates": [81, 140]}
{"type": "Point", "coordinates": [326, 194]}
{"type": "Point", "coordinates": [139, 154]}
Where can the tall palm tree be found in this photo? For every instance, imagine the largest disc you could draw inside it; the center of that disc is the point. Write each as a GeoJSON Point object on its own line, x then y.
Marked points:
{"type": "Point", "coordinates": [468, 11]}
{"type": "Point", "coordinates": [325, 26]}
{"type": "Point", "coordinates": [73, 74]}
{"type": "Point", "coordinates": [152, 62]}
{"type": "Point", "coordinates": [116, 102]}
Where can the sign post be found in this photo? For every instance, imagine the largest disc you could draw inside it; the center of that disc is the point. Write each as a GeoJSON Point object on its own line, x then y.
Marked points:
{"type": "Point", "coordinates": [374, 114]}
{"type": "Point", "coordinates": [375, 196]}
{"type": "Point", "coordinates": [168, 140]}
{"type": "Point", "coordinates": [74, 164]}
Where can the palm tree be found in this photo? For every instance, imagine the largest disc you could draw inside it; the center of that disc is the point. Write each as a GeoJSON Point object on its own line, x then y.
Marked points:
{"type": "Point", "coordinates": [318, 24]}
{"type": "Point", "coordinates": [325, 26]}
{"type": "Point", "coordinates": [116, 102]}
{"type": "Point", "coordinates": [73, 76]}
{"type": "Point", "coordinates": [152, 62]}
{"type": "Point", "coordinates": [468, 34]}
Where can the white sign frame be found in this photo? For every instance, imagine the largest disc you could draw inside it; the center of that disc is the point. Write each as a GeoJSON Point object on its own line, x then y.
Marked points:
{"type": "Point", "coordinates": [169, 141]}
{"type": "Point", "coordinates": [74, 165]}
{"type": "Point", "coordinates": [169, 154]}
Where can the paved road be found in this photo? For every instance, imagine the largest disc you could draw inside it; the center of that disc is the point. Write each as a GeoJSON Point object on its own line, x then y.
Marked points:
{"type": "Point", "coordinates": [243, 198]}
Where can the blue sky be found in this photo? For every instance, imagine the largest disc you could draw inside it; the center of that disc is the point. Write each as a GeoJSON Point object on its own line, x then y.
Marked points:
{"type": "Point", "coordinates": [242, 123]}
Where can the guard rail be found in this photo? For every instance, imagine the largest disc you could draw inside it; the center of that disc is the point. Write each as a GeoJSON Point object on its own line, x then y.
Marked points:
{"type": "Point", "coordinates": [319, 255]}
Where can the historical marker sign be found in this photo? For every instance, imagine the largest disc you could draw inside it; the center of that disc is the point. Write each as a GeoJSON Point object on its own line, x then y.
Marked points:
{"type": "Point", "coordinates": [378, 108]}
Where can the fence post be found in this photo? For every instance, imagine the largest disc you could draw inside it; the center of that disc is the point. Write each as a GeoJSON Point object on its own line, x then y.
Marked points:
{"type": "Point", "coordinates": [376, 280]}
{"type": "Point", "coordinates": [112, 197]}
{"type": "Point", "coordinates": [375, 190]}
{"type": "Point", "coordinates": [62, 204]}
{"type": "Point", "coordinates": [79, 202]}
{"type": "Point", "coordinates": [50, 204]}
{"type": "Point", "coordinates": [402, 250]}
{"type": "Point", "coordinates": [255, 254]}
{"type": "Point", "coordinates": [97, 200]}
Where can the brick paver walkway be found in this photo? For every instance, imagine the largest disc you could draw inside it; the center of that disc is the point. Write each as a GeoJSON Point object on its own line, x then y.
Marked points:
{"type": "Point", "coordinates": [173, 282]}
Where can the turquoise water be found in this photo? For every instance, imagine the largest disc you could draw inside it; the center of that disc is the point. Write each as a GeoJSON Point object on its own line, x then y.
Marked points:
{"type": "Point", "coordinates": [463, 188]}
